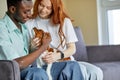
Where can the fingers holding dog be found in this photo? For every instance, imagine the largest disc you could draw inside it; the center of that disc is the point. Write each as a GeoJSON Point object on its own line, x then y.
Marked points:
{"type": "Point", "coordinates": [35, 42]}
{"type": "Point", "coordinates": [50, 57]}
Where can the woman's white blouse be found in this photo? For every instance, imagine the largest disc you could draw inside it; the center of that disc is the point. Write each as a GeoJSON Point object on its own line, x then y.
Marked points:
{"type": "Point", "coordinates": [45, 25]}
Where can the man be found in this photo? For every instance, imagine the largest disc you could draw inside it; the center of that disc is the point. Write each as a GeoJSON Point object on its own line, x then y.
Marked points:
{"type": "Point", "coordinates": [14, 43]}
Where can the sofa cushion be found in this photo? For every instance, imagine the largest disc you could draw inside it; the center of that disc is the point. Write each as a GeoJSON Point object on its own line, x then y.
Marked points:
{"type": "Point", "coordinates": [111, 70]}
{"type": "Point", "coordinates": [81, 53]}
{"type": "Point", "coordinates": [106, 53]}
{"type": "Point", "coordinates": [9, 70]}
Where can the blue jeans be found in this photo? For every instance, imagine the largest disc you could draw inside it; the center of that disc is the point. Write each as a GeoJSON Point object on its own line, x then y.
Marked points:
{"type": "Point", "coordinates": [33, 73]}
{"type": "Point", "coordinates": [68, 70]}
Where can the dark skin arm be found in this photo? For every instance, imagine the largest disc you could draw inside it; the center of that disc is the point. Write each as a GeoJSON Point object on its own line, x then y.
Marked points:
{"type": "Point", "coordinates": [25, 61]}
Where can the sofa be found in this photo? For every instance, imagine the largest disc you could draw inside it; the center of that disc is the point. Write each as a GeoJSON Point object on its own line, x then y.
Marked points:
{"type": "Point", "coordinates": [107, 57]}
{"type": "Point", "coordinates": [9, 70]}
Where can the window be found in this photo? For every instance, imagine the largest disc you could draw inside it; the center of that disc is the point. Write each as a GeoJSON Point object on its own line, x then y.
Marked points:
{"type": "Point", "coordinates": [108, 21]}
{"type": "Point", "coordinates": [114, 26]}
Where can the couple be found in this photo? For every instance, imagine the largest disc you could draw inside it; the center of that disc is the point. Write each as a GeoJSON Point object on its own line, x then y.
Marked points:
{"type": "Point", "coordinates": [48, 15]}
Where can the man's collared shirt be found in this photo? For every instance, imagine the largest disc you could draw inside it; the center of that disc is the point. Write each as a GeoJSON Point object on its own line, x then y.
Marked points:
{"type": "Point", "coordinates": [13, 42]}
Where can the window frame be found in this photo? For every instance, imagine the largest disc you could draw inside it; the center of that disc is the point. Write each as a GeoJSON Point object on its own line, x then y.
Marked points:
{"type": "Point", "coordinates": [102, 7]}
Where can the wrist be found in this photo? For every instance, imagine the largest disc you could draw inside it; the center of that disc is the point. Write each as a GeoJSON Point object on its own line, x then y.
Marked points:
{"type": "Point", "coordinates": [61, 55]}
{"type": "Point", "coordinates": [42, 48]}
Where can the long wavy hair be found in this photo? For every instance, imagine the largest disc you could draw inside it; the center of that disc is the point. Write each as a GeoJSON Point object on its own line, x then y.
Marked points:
{"type": "Point", "coordinates": [57, 16]}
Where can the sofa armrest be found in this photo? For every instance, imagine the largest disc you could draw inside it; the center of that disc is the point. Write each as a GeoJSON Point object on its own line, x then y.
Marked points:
{"type": "Point", "coordinates": [9, 70]}
{"type": "Point", "coordinates": [103, 53]}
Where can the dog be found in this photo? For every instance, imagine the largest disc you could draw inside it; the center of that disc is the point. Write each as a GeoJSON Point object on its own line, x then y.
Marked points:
{"type": "Point", "coordinates": [39, 33]}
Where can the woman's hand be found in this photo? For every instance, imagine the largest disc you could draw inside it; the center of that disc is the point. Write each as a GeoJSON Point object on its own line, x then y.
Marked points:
{"type": "Point", "coordinates": [51, 57]}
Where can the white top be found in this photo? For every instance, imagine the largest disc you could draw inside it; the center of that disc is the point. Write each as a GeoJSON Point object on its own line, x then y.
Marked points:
{"type": "Point", "coordinates": [45, 25]}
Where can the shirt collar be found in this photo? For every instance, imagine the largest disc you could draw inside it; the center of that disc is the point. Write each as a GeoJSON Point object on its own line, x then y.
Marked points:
{"type": "Point", "coordinates": [10, 24]}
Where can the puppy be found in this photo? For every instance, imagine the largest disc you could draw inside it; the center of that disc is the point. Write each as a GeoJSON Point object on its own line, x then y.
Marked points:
{"type": "Point", "coordinates": [39, 33]}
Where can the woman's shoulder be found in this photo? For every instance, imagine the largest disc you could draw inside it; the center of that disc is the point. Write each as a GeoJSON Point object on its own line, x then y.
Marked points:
{"type": "Point", "coordinates": [67, 21]}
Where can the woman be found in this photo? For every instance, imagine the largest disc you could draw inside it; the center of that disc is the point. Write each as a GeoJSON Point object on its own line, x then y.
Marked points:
{"type": "Point", "coordinates": [49, 15]}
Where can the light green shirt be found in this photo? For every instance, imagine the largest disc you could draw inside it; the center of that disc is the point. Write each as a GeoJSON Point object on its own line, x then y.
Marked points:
{"type": "Point", "coordinates": [13, 42]}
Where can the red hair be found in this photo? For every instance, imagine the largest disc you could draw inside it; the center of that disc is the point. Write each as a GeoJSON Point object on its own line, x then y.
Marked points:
{"type": "Point", "coordinates": [57, 16]}
{"type": "Point", "coordinates": [35, 8]}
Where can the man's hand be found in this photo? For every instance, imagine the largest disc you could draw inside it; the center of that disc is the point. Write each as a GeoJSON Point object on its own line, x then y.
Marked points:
{"type": "Point", "coordinates": [35, 43]}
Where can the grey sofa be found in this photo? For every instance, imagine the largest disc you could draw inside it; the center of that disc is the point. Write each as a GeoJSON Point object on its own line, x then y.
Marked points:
{"type": "Point", "coordinates": [107, 57]}
{"type": "Point", "coordinates": [9, 70]}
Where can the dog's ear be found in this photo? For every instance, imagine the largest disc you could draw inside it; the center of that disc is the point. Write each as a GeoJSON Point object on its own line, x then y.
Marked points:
{"type": "Point", "coordinates": [35, 30]}
{"type": "Point", "coordinates": [39, 33]}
